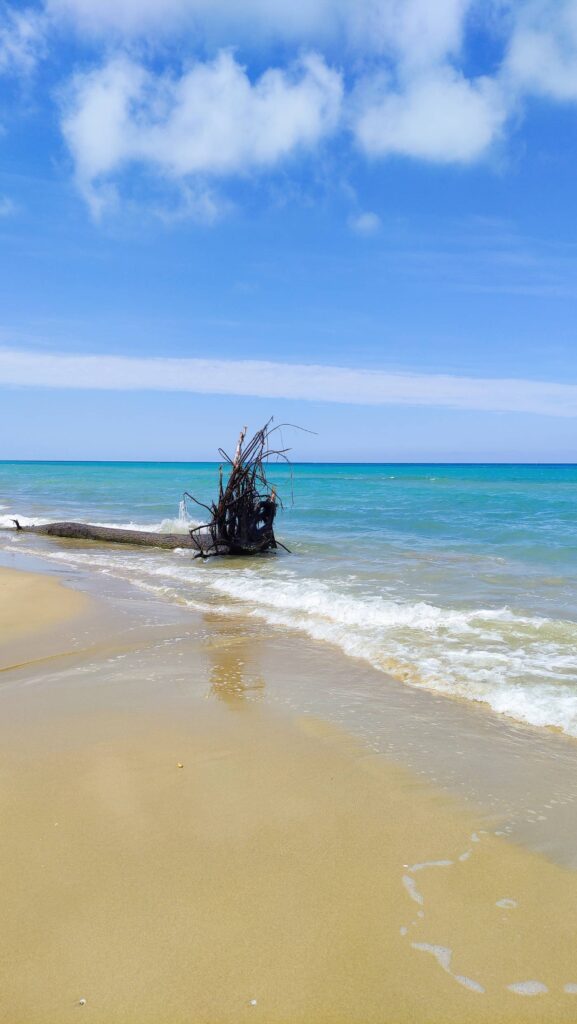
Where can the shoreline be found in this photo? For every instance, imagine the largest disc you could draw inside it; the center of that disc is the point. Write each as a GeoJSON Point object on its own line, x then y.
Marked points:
{"type": "Point", "coordinates": [515, 662]}
{"type": "Point", "coordinates": [521, 778]}
{"type": "Point", "coordinates": [286, 871]}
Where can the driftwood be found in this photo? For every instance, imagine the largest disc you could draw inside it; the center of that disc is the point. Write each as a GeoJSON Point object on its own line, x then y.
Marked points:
{"type": "Point", "coordinates": [241, 520]}
{"type": "Point", "coordinates": [84, 531]}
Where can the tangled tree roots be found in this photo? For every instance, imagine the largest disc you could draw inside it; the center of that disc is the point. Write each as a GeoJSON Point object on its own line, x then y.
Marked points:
{"type": "Point", "coordinates": [242, 519]}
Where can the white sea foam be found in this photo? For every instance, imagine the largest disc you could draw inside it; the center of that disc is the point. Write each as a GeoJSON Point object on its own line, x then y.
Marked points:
{"type": "Point", "coordinates": [411, 887]}
{"type": "Point", "coordinates": [443, 955]}
{"type": "Point", "coordinates": [469, 983]}
{"type": "Point", "coordinates": [431, 864]}
{"type": "Point", "coordinates": [528, 988]}
{"type": "Point", "coordinates": [521, 666]}
{"type": "Point", "coordinates": [7, 520]}
{"type": "Point", "coordinates": [177, 525]}
{"type": "Point", "coordinates": [319, 600]}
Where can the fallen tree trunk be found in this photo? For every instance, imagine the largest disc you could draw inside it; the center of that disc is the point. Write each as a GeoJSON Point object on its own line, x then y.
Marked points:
{"type": "Point", "coordinates": [84, 531]}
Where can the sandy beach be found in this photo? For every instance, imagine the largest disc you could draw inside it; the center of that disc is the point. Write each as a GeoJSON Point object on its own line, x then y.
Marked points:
{"type": "Point", "coordinates": [38, 616]}
{"type": "Point", "coordinates": [288, 512]}
{"type": "Point", "coordinates": [175, 851]}
{"type": "Point", "coordinates": [32, 603]}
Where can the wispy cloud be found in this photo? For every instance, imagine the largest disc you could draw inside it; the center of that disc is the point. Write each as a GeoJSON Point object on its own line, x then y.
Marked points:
{"type": "Point", "coordinates": [7, 206]}
{"type": "Point", "coordinates": [21, 39]}
{"type": "Point", "coordinates": [367, 223]}
{"type": "Point", "coordinates": [482, 256]}
{"type": "Point", "coordinates": [285, 381]}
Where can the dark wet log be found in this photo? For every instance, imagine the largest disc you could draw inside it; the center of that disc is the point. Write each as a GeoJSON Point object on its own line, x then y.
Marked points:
{"type": "Point", "coordinates": [84, 531]}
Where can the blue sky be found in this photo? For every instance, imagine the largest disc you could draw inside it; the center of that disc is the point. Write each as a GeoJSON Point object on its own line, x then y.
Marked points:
{"type": "Point", "coordinates": [359, 217]}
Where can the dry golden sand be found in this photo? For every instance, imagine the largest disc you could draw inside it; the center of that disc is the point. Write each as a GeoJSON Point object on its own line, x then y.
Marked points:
{"type": "Point", "coordinates": [269, 878]}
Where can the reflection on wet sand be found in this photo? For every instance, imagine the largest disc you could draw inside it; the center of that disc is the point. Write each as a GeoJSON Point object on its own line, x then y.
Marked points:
{"type": "Point", "coordinates": [234, 676]}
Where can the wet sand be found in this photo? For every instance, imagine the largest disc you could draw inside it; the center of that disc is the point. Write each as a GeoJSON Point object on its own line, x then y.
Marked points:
{"type": "Point", "coordinates": [173, 851]}
{"type": "Point", "coordinates": [32, 603]}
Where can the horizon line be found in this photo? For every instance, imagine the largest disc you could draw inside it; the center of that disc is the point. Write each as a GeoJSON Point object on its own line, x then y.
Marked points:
{"type": "Point", "coordinates": [287, 466]}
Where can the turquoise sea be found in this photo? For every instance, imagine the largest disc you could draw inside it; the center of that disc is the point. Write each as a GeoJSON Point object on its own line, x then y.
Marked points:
{"type": "Point", "coordinates": [461, 579]}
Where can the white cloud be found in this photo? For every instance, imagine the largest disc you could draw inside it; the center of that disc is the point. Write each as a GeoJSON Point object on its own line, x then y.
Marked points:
{"type": "Point", "coordinates": [215, 18]}
{"type": "Point", "coordinates": [367, 223]}
{"type": "Point", "coordinates": [286, 380]}
{"type": "Point", "coordinates": [542, 55]}
{"type": "Point", "coordinates": [417, 30]}
{"type": "Point", "coordinates": [21, 39]}
{"type": "Point", "coordinates": [214, 120]}
{"type": "Point", "coordinates": [416, 33]}
{"type": "Point", "coordinates": [7, 206]}
{"type": "Point", "coordinates": [194, 202]}
{"type": "Point", "coordinates": [439, 116]}
{"type": "Point", "coordinates": [210, 121]}
{"type": "Point", "coordinates": [410, 93]}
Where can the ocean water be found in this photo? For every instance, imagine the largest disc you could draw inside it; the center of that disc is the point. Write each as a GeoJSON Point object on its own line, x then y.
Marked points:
{"type": "Point", "coordinates": [457, 579]}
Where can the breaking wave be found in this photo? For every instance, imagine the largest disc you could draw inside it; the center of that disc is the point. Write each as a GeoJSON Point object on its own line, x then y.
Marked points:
{"type": "Point", "coordinates": [176, 525]}
{"type": "Point", "coordinates": [521, 666]}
